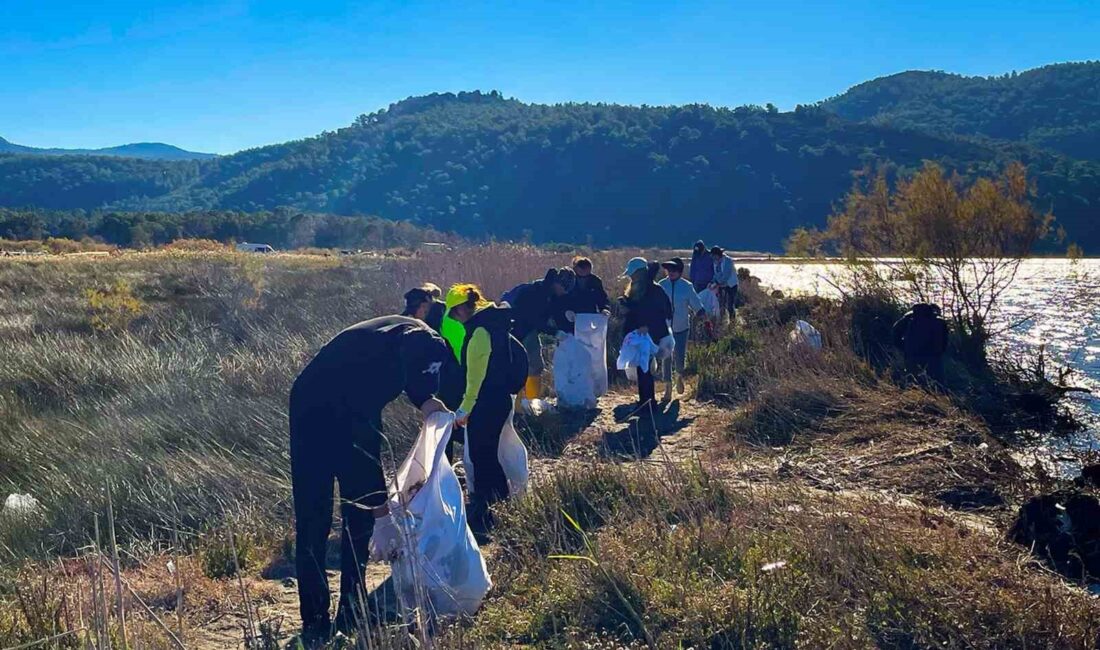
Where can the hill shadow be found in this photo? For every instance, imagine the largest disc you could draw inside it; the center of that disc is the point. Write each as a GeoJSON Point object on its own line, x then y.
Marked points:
{"type": "Point", "coordinates": [548, 434]}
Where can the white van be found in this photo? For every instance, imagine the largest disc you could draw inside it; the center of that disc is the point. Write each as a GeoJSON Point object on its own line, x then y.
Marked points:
{"type": "Point", "coordinates": [254, 248]}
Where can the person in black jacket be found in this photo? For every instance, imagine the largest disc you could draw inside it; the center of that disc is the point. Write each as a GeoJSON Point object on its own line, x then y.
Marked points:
{"type": "Point", "coordinates": [922, 334]}
{"type": "Point", "coordinates": [645, 305]}
{"type": "Point", "coordinates": [496, 368]}
{"type": "Point", "coordinates": [537, 308]}
{"type": "Point", "coordinates": [336, 433]}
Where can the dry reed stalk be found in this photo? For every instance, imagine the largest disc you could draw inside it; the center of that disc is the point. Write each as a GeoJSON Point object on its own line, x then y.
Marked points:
{"type": "Point", "coordinates": [115, 567]}
{"type": "Point", "coordinates": [250, 635]}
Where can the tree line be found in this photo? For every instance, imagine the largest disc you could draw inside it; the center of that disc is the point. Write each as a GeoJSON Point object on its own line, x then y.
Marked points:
{"type": "Point", "coordinates": [282, 228]}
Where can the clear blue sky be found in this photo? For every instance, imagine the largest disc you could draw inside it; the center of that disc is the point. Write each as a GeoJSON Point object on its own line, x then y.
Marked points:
{"type": "Point", "coordinates": [224, 75]}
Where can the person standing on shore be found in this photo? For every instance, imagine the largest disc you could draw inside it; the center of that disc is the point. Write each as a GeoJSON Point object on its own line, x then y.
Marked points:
{"type": "Point", "coordinates": [685, 305]}
{"type": "Point", "coordinates": [336, 433]}
{"type": "Point", "coordinates": [725, 276]}
{"type": "Point", "coordinates": [701, 272]}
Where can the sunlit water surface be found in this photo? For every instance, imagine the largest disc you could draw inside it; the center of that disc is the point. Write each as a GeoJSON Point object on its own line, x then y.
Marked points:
{"type": "Point", "coordinates": [1053, 303]}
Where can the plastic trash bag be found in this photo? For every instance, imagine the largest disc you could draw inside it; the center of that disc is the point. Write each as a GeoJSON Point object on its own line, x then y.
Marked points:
{"type": "Point", "coordinates": [805, 336]}
{"type": "Point", "coordinates": [573, 377]}
{"type": "Point", "coordinates": [20, 504]}
{"type": "Point", "coordinates": [512, 455]}
{"type": "Point", "coordinates": [637, 351]}
{"type": "Point", "coordinates": [439, 568]}
{"type": "Point", "coordinates": [535, 407]}
{"type": "Point", "coordinates": [591, 329]}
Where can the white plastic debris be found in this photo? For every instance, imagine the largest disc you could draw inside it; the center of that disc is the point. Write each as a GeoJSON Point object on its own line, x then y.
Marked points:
{"type": "Point", "coordinates": [773, 566]}
{"type": "Point", "coordinates": [20, 504]}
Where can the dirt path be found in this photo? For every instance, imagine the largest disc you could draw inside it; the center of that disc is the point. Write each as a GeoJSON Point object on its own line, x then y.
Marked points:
{"type": "Point", "coordinates": [681, 430]}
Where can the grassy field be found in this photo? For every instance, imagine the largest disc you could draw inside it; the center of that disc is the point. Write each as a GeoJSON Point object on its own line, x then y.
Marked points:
{"type": "Point", "coordinates": [829, 507]}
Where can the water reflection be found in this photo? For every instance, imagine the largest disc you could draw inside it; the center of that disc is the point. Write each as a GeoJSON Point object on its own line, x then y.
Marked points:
{"type": "Point", "coordinates": [1053, 302]}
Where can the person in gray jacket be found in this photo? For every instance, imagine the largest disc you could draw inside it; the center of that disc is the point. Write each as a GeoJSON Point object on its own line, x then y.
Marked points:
{"type": "Point", "coordinates": [685, 304]}
{"type": "Point", "coordinates": [725, 276]}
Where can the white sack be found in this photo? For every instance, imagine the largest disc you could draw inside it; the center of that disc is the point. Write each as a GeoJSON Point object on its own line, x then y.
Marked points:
{"type": "Point", "coordinates": [440, 566]}
{"type": "Point", "coordinates": [805, 335]}
{"type": "Point", "coordinates": [512, 455]}
{"type": "Point", "coordinates": [20, 504]}
{"type": "Point", "coordinates": [573, 380]}
{"type": "Point", "coordinates": [637, 351]}
{"type": "Point", "coordinates": [591, 329]}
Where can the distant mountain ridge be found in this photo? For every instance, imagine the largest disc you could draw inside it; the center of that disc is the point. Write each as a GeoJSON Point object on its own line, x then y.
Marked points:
{"type": "Point", "coordinates": [482, 165]}
{"type": "Point", "coordinates": [1055, 107]}
{"type": "Point", "coordinates": [143, 150]}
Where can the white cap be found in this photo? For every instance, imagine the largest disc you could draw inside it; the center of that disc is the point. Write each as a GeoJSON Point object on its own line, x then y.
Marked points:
{"type": "Point", "coordinates": [634, 265]}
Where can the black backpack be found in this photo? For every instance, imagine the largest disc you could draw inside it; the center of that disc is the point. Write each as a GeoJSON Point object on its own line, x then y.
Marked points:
{"type": "Point", "coordinates": [516, 377]}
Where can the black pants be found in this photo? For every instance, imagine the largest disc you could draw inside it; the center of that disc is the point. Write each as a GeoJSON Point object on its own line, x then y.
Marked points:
{"type": "Point", "coordinates": [728, 296]}
{"type": "Point", "coordinates": [483, 441]}
{"type": "Point", "coordinates": [646, 391]}
{"type": "Point", "coordinates": [327, 444]}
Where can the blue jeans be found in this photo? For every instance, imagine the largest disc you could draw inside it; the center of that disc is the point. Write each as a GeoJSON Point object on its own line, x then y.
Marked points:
{"type": "Point", "coordinates": [679, 355]}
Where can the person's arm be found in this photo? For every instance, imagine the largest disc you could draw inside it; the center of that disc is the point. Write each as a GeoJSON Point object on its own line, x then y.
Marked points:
{"type": "Point", "coordinates": [477, 365]}
{"type": "Point", "coordinates": [603, 303]}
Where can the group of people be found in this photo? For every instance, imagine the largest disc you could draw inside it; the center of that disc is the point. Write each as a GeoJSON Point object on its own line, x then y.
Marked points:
{"type": "Point", "coordinates": [464, 353]}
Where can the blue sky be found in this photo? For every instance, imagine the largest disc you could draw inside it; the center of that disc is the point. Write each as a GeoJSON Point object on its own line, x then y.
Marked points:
{"type": "Point", "coordinates": [224, 75]}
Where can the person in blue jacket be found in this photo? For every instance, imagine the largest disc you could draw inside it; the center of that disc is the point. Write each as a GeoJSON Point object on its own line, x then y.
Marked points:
{"type": "Point", "coordinates": [701, 271]}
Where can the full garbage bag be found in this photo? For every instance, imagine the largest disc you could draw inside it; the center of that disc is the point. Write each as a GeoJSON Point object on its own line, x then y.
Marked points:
{"type": "Point", "coordinates": [512, 455]}
{"type": "Point", "coordinates": [591, 329]}
{"type": "Point", "coordinates": [440, 568]}
{"type": "Point", "coordinates": [637, 351]}
{"type": "Point", "coordinates": [574, 380]}
{"type": "Point", "coordinates": [804, 336]}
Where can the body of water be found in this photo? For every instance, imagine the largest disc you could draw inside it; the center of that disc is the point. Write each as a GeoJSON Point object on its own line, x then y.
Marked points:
{"type": "Point", "coordinates": [1053, 303]}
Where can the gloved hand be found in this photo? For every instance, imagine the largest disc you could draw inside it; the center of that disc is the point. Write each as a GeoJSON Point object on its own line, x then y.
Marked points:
{"type": "Point", "coordinates": [461, 418]}
{"type": "Point", "coordinates": [385, 541]}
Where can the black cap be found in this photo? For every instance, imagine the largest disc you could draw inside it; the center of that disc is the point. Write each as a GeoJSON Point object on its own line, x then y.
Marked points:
{"type": "Point", "coordinates": [700, 246]}
{"type": "Point", "coordinates": [674, 264]}
{"type": "Point", "coordinates": [717, 250]}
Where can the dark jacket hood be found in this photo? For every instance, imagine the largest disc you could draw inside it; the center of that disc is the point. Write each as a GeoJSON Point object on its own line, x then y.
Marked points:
{"type": "Point", "coordinates": [491, 317]}
{"type": "Point", "coordinates": [923, 310]}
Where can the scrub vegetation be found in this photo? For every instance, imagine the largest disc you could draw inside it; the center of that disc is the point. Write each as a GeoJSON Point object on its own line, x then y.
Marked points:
{"type": "Point", "coordinates": [831, 505]}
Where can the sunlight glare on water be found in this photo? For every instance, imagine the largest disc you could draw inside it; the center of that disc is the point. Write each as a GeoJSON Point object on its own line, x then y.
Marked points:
{"type": "Point", "coordinates": [1053, 302]}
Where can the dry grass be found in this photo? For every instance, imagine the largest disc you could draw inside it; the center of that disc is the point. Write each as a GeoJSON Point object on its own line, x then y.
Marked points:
{"type": "Point", "coordinates": [683, 561]}
{"type": "Point", "coordinates": [181, 407]}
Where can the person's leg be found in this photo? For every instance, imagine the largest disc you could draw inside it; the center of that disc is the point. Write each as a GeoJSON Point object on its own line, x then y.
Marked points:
{"type": "Point", "coordinates": [535, 366]}
{"type": "Point", "coordinates": [311, 480]}
{"type": "Point", "coordinates": [483, 438]}
{"type": "Point", "coordinates": [646, 389]}
{"type": "Point", "coordinates": [358, 495]}
{"type": "Point", "coordinates": [680, 357]}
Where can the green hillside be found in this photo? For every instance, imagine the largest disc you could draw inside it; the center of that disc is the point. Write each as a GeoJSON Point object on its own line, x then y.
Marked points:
{"type": "Point", "coordinates": [1055, 107]}
{"type": "Point", "coordinates": [482, 165]}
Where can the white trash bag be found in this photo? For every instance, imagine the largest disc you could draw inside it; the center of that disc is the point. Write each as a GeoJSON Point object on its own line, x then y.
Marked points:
{"type": "Point", "coordinates": [804, 336]}
{"type": "Point", "coordinates": [573, 377]}
{"type": "Point", "coordinates": [512, 455]}
{"type": "Point", "coordinates": [637, 351]}
{"type": "Point", "coordinates": [440, 566]}
{"type": "Point", "coordinates": [591, 329]}
{"type": "Point", "coordinates": [20, 504]}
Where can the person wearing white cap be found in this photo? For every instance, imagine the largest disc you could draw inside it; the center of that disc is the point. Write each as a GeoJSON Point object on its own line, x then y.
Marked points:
{"type": "Point", "coordinates": [646, 309]}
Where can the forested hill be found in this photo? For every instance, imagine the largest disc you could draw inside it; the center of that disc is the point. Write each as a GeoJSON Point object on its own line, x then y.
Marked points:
{"type": "Point", "coordinates": [481, 165]}
{"type": "Point", "coordinates": [149, 150]}
{"type": "Point", "coordinates": [1055, 107]}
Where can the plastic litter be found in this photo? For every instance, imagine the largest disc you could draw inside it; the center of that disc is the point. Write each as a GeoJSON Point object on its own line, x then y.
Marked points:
{"type": "Point", "coordinates": [591, 329]}
{"type": "Point", "coordinates": [440, 568]}
{"type": "Point", "coordinates": [804, 335]}
{"type": "Point", "coordinates": [637, 351]}
{"type": "Point", "coordinates": [535, 407]}
{"type": "Point", "coordinates": [573, 377]}
{"type": "Point", "coordinates": [512, 455]}
{"type": "Point", "coordinates": [20, 504]}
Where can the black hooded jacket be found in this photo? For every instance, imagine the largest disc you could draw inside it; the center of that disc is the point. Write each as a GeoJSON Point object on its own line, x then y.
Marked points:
{"type": "Point", "coordinates": [651, 309]}
{"type": "Point", "coordinates": [921, 332]}
{"type": "Point", "coordinates": [534, 306]}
